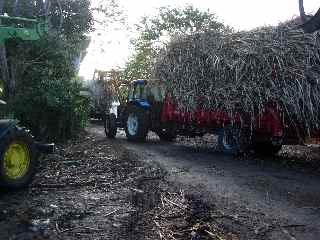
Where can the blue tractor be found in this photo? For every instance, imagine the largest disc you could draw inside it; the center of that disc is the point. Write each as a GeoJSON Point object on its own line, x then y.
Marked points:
{"type": "Point", "coordinates": [139, 111]}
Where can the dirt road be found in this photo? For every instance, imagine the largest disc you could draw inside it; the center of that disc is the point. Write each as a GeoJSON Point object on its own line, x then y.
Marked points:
{"type": "Point", "coordinates": [87, 190]}
{"type": "Point", "coordinates": [96, 188]}
{"type": "Point", "coordinates": [254, 195]}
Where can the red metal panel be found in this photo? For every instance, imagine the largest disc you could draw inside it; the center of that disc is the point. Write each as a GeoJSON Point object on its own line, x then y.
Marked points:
{"type": "Point", "coordinates": [267, 123]}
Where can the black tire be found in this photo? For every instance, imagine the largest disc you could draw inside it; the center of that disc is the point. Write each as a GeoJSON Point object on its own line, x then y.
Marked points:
{"type": "Point", "coordinates": [266, 149]}
{"type": "Point", "coordinates": [137, 124]}
{"type": "Point", "coordinates": [17, 136]}
{"type": "Point", "coordinates": [110, 125]}
{"type": "Point", "coordinates": [166, 137]}
{"type": "Point", "coordinates": [167, 134]}
{"type": "Point", "coordinates": [233, 140]}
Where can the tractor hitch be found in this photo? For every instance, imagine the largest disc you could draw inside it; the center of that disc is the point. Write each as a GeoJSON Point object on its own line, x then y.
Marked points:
{"type": "Point", "coordinates": [46, 148]}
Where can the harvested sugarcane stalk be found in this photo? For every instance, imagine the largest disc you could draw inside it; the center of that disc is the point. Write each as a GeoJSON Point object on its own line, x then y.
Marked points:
{"type": "Point", "coordinates": [243, 71]}
{"type": "Point", "coordinates": [175, 218]}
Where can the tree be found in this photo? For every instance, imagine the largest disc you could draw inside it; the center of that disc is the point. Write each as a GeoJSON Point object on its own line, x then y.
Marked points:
{"type": "Point", "coordinates": [155, 32]}
{"type": "Point", "coordinates": [3, 53]}
{"type": "Point", "coordinates": [46, 92]}
{"type": "Point", "coordinates": [310, 23]}
{"type": "Point", "coordinates": [45, 96]}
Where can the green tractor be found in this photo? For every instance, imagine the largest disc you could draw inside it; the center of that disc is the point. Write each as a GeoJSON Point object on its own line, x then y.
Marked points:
{"type": "Point", "coordinates": [19, 151]}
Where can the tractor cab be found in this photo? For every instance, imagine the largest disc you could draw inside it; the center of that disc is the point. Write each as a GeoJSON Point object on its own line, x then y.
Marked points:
{"type": "Point", "coordinates": [146, 93]}
{"type": "Point", "coordinates": [136, 90]}
{"type": "Point", "coordinates": [144, 100]}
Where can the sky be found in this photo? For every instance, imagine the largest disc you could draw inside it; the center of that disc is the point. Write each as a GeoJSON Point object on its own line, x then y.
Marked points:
{"type": "Point", "coordinates": [110, 48]}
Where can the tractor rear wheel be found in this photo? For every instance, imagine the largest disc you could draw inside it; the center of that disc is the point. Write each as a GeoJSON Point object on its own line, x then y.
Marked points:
{"type": "Point", "coordinates": [110, 125]}
{"type": "Point", "coordinates": [18, 159]}
{"type": "Point", "coordinates": [137, 124]}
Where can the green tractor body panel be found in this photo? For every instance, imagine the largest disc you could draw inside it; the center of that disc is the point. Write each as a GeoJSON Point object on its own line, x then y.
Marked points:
{"type": "Point", "coordinates": [22, 28]}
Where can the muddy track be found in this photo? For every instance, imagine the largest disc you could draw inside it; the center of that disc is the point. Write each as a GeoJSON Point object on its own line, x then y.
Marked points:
{"type": "Point", "coordinates": [95, 188]}
{"type": "Point", "coordinates": [275, 198]}
{"type": "Point", "coordinates": [88, 190]}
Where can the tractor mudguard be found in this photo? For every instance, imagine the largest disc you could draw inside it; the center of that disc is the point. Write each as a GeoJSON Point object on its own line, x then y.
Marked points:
{"type": "Point", "coordinates": [144, 104]}
{"type": "Point", "coordinates": [6, 125]}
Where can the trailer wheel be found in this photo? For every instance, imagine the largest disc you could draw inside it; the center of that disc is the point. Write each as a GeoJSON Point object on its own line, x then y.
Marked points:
{"type": "Point", "coordinates": [137, 124]}
{"type": "Point", "coordinates": [18, 159]}
{"type": "Point", "coordinates": [167, 133]}
{"type": "Point", "coordinates": [233, 140]}
{"type": "Point", "coordinates": [166, 136]}
{"type": "Point", "coordinates": [110, 125]}
{"type": "Point", "coordinates": [266, 149]}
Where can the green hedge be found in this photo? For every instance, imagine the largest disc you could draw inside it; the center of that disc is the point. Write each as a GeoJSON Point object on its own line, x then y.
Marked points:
{"type": "Point", "coordinates": [52, 109]}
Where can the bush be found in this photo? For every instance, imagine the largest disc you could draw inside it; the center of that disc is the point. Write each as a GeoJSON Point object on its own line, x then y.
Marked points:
{"type": "Point", "coordinates": [52, 109]}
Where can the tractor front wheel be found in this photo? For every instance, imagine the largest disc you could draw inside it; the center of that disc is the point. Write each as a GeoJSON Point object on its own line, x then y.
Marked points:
{"type": "Point", "coordinates": [137, 124]}
{"type": "Point", "coordinates": [110, 125]}
{"type": "Point", "coordinates": [18, 159]}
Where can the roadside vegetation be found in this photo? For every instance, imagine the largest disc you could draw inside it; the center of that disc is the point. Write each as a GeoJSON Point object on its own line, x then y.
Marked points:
{"type": "Point", "coordinates": [158, 30]}
{"type": "Point", "coordinates": [154, 33]}
{"type": "Point", "coordinates": [93, 187]}
{"type": "Point", "coordinates": [39, 78]}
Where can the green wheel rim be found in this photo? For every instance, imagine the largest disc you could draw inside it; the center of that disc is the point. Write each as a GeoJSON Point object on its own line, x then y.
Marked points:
{"type": "Point", "coordinates": [16, 160]}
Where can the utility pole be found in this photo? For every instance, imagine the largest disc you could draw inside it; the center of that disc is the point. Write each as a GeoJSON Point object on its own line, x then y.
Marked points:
{"type": "Point", "coordinates": [302, 12]}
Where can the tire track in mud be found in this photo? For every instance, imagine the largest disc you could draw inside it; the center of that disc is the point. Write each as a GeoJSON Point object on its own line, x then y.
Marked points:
{"type": "Point", "coordinates": [101, 189]}
{"type": "Point", "coordinates": [260, 198]}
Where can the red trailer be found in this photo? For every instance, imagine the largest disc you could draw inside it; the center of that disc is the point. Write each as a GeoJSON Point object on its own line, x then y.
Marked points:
{"type": "Point", "coordinates": [150, 107]}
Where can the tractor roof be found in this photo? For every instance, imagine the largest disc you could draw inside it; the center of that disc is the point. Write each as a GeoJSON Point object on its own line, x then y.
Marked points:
{"type": "Point", "coordinates": [149, 81]}
{"type": "Point", "coordinates": [139, 81]}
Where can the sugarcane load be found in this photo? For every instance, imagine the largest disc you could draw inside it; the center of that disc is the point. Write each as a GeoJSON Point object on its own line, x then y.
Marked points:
{"type": "Point", "coordinates": [257, 90]}
{"type": "Point", "coordinates": [245, 70]}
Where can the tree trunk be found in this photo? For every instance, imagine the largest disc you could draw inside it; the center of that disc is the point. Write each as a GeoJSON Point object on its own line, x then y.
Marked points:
{"type": "Point", "coordinates": [47, 6]}
{"type": "Point", "coordinates": [40, 7]}
{"type": "Point", "coordinates": [15, 8]}
{"type": "Point", "coordinates": [13, 79]}
{"type": "Point", "coordinates": [5, 76]}
{"type": "Point", "coordinates": [4, 69]}
{"type": "Point", "coordinates": [30, 8]}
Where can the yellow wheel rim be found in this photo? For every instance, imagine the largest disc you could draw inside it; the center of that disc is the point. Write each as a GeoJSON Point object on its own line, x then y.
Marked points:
{"type": "Point", "coordinates": [16, 160]}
